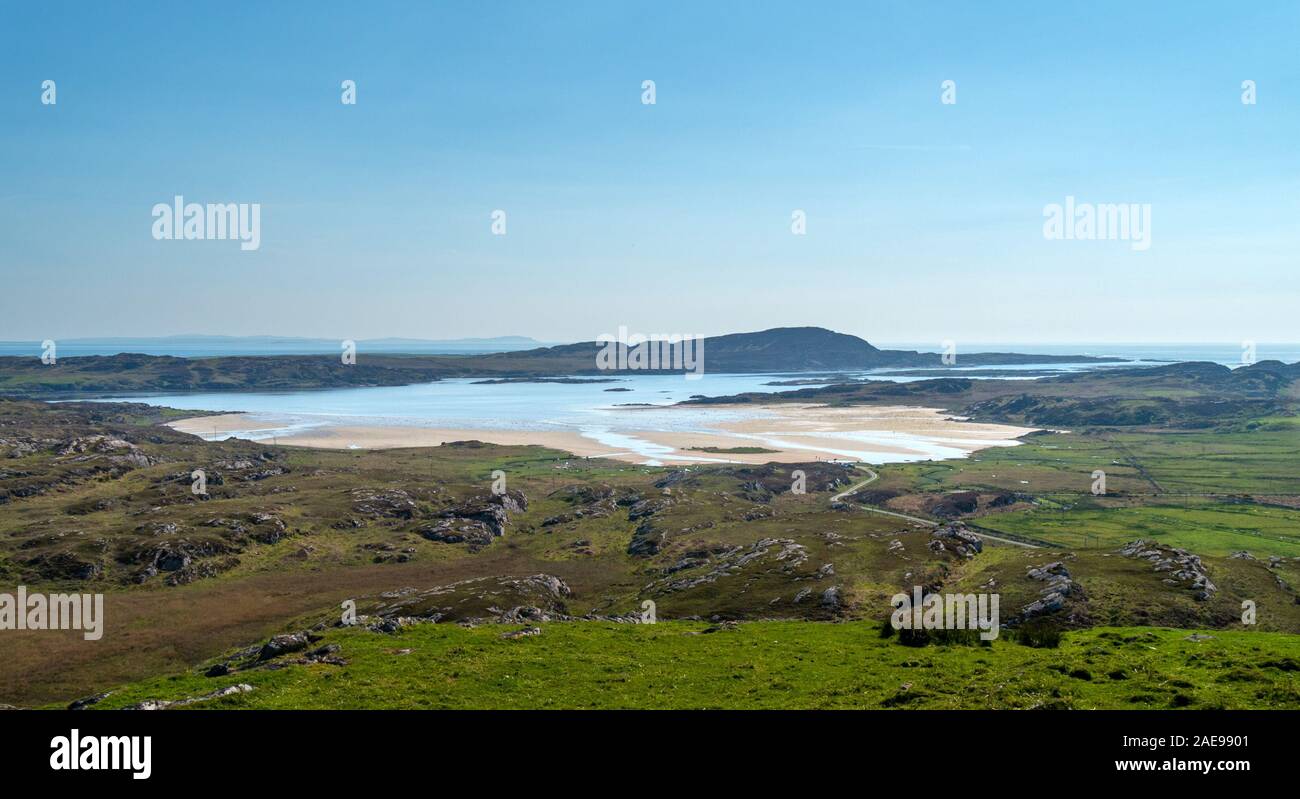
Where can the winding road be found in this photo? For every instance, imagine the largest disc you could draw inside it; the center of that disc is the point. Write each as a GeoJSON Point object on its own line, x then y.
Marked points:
{"type": "Point", "coordinates": [858, 486]}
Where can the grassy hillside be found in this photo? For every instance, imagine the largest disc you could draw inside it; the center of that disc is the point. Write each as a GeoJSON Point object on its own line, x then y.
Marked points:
{"type": "Point", "coordinates": [97, 497]}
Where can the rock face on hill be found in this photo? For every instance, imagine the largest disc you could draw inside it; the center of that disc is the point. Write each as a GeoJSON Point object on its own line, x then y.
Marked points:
{"type": "Point", "coordinates": [958, 539]}
{"type": "Point", "coordinates": [476, 521]}
{"type": "Point", "coordinates": [1058, 587]}
{"type": "Point", "coordinates": [537, 597]}
{"type": "Point", "coordinates": [1182, 568]}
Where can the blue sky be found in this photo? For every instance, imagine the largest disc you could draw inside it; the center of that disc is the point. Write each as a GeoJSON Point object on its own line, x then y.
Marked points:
{"type": "Point", "coordinates": [924, 220]}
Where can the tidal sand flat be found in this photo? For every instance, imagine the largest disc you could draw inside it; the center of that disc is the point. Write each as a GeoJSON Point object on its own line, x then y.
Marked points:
{"type": "Point", "coordinates": [674, 435]}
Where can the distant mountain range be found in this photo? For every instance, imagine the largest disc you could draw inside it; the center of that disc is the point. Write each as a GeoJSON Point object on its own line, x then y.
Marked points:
{"type": "Point", "coordinates": [782, 349]}
{"type": "Point", "coordinates": [789, 349]}
{"type": "Point", "coordinates": [391, 362]}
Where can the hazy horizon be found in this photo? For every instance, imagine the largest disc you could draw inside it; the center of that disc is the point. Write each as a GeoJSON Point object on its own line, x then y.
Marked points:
{"type": "Point", "coordinates": [881, 343]}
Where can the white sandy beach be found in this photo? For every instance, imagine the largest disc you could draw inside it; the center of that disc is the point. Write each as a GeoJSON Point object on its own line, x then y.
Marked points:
{"type": "Point", "coordinates": [795, 433]}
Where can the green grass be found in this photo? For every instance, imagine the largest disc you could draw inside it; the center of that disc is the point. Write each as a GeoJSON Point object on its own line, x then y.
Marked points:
{"type": "Point", "coordinates": [1052, 463]}
{"type": "Point", "coordinates": [761, 665]}
{"type": "Point", "coordinates": [1204, 528]}
{"type": "Point", "coordinates": [1255, 458]}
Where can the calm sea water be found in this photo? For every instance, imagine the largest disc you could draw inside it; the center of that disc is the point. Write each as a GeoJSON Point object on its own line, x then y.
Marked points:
{"type": "Point", "coordinates": [1226, 353]}
{"type": "Point", "coordinates": [587, 409]}
{"type": "Point", "coordinates": [591, 410]}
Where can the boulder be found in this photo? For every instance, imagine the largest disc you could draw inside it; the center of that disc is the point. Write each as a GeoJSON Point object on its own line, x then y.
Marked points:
{"type": "Point", "coordinates": [282, 645]}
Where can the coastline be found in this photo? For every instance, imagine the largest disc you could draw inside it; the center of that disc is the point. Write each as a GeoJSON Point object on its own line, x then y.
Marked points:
{"type": "Point", "coordinates": [795, 433]}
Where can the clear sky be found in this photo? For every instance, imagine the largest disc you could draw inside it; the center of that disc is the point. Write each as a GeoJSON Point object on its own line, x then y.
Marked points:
{"type": "Point", "coordinates": [924, 220]}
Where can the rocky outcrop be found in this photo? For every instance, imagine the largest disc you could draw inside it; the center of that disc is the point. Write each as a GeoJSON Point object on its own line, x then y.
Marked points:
{"type": "Point", "coordinates": [180, 556]}
{"type": "Point", "coordinates": [89, 701]}
{"type": "Point", "coordinates": [389, 503]}
{"type": "Point", "coordinates": [648, 507]}
{"type": "Point", "coordinates": [1052, 597]}
{"type": "Point", "coordinates": [1182, 568]}
{"type": "Point", "coordinates": [163, 704]}
{"type": "Point", "coordinates": [283, 644]}
{"type": "Point", "coordinates": [954, 503]}
{"type": "Point", "coordinates": [534, 598]}
{"type": "Point", "coordinates": [831, 598]}
{"type": "Point", "coordinates": [589, 501]}
{"type": "Point", "coordinates": [782, 554]}
{"type": "Point", "coordinates": [262, 527]}
{"type": "Point", "coordinates": [476, 521]}
{"type": "Point", "coordinates": [458, 531]}
{"type": "Point", "coordinates": [957, 538]}
{"type": "Point", "coordinates": [649, 536]}
{"type": "Point", "coordinates": [118, 450]}
{"type": "Point", "coordinates": [646, 541]}
{"type": "Point", "coordinates": [200, 570]}
{"type": "Point", "coordinates": [64, 566]}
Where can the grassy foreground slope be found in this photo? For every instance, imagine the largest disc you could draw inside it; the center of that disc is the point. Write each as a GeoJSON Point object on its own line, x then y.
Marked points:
{"type": "Point", "coordinates": [756, 665]}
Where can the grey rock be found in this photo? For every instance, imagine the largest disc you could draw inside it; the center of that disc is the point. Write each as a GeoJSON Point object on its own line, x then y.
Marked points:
{"type": "Point", "coordinates": [283, 644]}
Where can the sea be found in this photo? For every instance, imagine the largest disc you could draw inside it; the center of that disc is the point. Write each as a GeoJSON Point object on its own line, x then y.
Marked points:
{"type": "Point", "coordinates": [599, 410]}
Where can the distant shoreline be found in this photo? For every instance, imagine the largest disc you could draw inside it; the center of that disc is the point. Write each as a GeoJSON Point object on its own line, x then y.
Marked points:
{"type": "Point", "coordinates": [791, 433]}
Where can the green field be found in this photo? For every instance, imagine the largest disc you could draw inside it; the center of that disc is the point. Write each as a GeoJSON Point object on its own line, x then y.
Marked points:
{"type": "Point", "coordinates": [1212, 492]}
{"type": "Point", "coordinates": [1258, 459]}
{"type": "Point", "coordinates": [759, 665]}
{"type": "Point", "coordinates": [1204, 528]}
